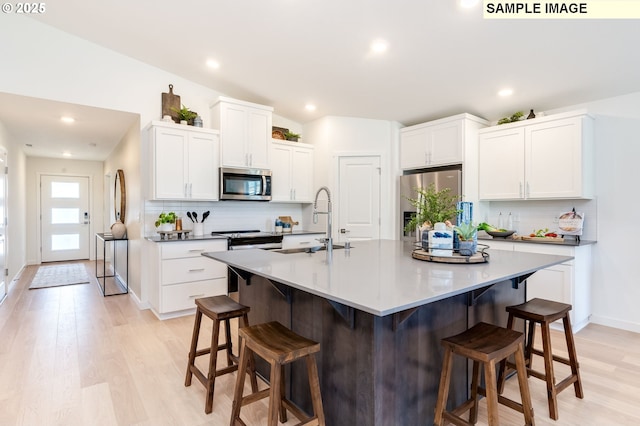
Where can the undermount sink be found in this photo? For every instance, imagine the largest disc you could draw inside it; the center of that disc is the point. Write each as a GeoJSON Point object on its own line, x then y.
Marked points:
{"type": "Point", "coordinates": [306, 249]}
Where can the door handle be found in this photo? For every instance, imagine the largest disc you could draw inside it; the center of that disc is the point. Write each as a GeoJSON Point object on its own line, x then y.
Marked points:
{"type": "Point", "coordinates": [86, 218]}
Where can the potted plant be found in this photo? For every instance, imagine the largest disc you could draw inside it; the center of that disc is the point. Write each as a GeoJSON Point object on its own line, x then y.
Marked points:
{"type": "Point", "coordinates": [290, 136]}
{"type": "Point", "coordinates": [467, 243]}
{"type": "Point", "coordinates": [185, 115]}
{"type": "Point", "coordinates": [432, 207]}
{"type": "Point", "coordinates": [165, 221]}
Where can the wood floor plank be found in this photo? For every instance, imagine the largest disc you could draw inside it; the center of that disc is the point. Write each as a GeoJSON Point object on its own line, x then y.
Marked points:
{"type": "Point", "coordinates": [69, 356]}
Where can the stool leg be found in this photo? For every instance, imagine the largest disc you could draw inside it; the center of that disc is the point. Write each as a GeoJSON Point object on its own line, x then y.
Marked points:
{"type": "Point", "coordinates": [475, 382]}
{"type": "Point", "coordinates": [548, 371]}
{"type": "Point", "coordinates": [314, 385]}
{"type": "Point", "coordinates": [213, 361]}
{"type": "Point", "coordinates": [573, 357]}
{"type": "Point", "coordinates": [443, 392]}
{"type": "Point", "coordinates": [275, 403]}
{"type": "Point", "coordinates": [531, 338]}
{"type": "Point", "coordinates": [492, 393]}
{"type": "Point", "coordinates": [525, 395]}
{"type": "Point", "coordinates": [228, 343]}
{"type": "Point", "coordinates": [251, 361]}
{"type": "Point", "coordinates": [502, 371]}
{"type": "Point", "coordinates": [194, 345]}
{"type": "Point", "coordinates": [245, 353]}
{"type": "Point", "coordinates": [282, 411]}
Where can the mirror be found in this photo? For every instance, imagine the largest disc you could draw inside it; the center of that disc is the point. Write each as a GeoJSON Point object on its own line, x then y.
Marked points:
{"type": "Point", "coordinates": [119, 197]}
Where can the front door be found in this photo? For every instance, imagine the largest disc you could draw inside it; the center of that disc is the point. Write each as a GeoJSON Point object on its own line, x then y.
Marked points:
{"type": "Point", "coordinates": [359, 207]}
{"type": "Point", "coordinates": [64, 217]}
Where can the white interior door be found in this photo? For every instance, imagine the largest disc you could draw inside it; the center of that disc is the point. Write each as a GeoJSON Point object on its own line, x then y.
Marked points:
{"type": "Point", "coordinates": [359, 206]}
{"type": "Point", "coordinates": [64, 217]}
{"type": "Point", "coordinates": [3, 222]}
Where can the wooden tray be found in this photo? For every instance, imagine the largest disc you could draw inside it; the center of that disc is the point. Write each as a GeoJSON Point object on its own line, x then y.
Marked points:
{"type": "Point", "coordinates": [543, 239]}
{"type": "Point", "coordinates": [479, 257]}
{"type": "Point", "coordinates": [170, 234]}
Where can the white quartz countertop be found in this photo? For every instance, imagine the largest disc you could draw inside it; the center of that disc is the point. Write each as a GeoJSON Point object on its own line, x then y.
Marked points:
{"type": "Point", "coordinates": [380, 276]}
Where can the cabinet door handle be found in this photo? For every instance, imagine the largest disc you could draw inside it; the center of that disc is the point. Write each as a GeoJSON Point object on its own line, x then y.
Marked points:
{"type": "Point", "coordinates": [196, 295]}
{"type": "Point", "coordinates": [528, 194]}
{"type": "Point", "coordinates": [196, 250]}
{"type": "Point", "coordinates": [294, 194]}
{"type": "Point", "coordinates": [196, 270]}
{"type": "Point", "coordinates": [520, 190]}
{"type": "Point", "coordinates": [251, 159]}
{"type": "Point", "coordinates": [185, 190]}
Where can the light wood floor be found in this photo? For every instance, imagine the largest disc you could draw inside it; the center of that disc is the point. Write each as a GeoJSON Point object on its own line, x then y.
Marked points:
{"type": "Point", "coordinates": [69, 356]}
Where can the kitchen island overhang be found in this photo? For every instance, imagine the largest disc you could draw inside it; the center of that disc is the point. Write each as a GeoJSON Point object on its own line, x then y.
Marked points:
{"type": "Point", "coordinates": [379, 316]}
{"type": "Point", "coordinates": [380, 276]}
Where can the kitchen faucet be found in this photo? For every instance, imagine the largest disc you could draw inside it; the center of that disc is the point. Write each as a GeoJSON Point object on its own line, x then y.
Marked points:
{"type": "Point", "coordinates": [328, 240]}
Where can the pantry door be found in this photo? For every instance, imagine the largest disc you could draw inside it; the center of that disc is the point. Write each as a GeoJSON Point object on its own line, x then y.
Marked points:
{"type": "Point", "coordinates": [64, 217]}
{"type": "Point", "coordinates": [3, 219]}
{"type": "Point", "coordinates": [359, 206]}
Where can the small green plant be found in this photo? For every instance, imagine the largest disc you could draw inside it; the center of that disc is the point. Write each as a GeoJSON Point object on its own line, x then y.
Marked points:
{"type": "Point", "coordinates": [165, 218]}
{"type": "Point", "coordinates": [517, 116]}
{"type": "Point", "coordinates": [466, 231]}
{"type": "Point", "coordinates": [290, 136]}
{"type": "Point", "coordinates": [185, 113]}
{"type": "Point", "coordinates": [432, 207]}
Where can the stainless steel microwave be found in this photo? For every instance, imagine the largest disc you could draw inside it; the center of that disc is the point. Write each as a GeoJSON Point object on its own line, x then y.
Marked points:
{"type": "Point", "coordinates": [245, 184]}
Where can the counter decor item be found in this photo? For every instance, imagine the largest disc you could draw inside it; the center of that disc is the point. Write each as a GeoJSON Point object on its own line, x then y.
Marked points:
{"type": "Point", "coordinates": [293, 137]}
{"type": "Point", "coordinates": [197, 122]}
{"type": "Point", "coordinates": [517, 116]}
{"type": "Point", "coordinates": [170, 103]}
{"type": "Point", "coordinates": [480, 256]}
{"type": "Point", "coordinates": [185, 115]}
{"type": "Point", "coordinates": [432, 206]}
{"type": "Point", "coordinates": [467, 242]}
{"type": "Point", "coordinates": [278, 132]}
{"type": "Point", "coordinates": [531, 115]}
{"type": "Point", "coordinates": [287, 223]}
{"type": "Point", "coordinates": [165, 221]}
{"type": "Point", "coordinates": [118, 230]}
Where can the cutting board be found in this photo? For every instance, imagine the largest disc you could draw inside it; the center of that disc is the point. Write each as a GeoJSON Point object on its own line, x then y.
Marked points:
{"type": "Point", "coordinates": [170, 103]}
{"type": "Point", "coordinates": [543, 239]}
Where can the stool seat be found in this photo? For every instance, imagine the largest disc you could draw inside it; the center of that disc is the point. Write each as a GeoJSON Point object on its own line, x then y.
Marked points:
{"type": "Point", "coordinates": [484, 344]}
{"type": "Point", "coordinates": [220, 309]}
{"type": "Point", "coordinates": [277, 345]}
{"type": "Point", "coordinates": [544, 312]}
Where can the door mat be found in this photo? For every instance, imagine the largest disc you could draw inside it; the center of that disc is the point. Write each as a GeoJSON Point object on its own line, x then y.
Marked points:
{"type": "Point", "coordinates": [58, 275]}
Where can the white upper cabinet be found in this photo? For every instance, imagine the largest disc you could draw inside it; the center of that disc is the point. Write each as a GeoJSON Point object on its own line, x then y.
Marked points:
{"type": "Point", "coordinates": [292, 172]}
{"type": "Point", "coordinates": [539, 159]}
{"type": "Point", "coordinates": [245, 132]}
{"type": "Point", "coordinates": [184, 162]}
{"type": "Point", "coordinates": [436, 143]}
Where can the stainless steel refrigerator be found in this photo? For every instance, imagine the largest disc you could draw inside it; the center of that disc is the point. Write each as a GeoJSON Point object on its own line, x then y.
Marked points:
{"type": "Point", "coordinates": [451, 179]}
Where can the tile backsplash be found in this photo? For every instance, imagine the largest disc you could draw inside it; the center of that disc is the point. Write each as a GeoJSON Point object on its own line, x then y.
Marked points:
{"type": "Point", "coordinates": [225, 215]}
{"type": "Point", "coordinates": [529, 215]}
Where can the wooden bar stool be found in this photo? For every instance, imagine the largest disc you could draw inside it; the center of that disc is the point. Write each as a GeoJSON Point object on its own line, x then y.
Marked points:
{"type": "Point", "coordinates": [277, 345]}
{"type": "Point", "coordinates": [544, 312]}
{"type": "Point", "coordinates": [487, 344]}
{"type": "Point", "coordinates": [219, 309]}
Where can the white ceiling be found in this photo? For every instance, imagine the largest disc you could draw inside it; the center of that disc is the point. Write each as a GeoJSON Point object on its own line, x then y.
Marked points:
{"type": "Point", "coordinates": [442, 59]}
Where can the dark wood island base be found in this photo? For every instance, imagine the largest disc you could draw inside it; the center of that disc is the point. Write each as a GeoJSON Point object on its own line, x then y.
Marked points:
{"type": "Point", "coordinates": [376, 370]}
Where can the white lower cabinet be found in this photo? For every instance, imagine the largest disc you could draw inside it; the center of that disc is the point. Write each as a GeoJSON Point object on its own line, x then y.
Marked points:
{"type": "Point", "coordinates": [568, 282]}
{"type": "Point", "coordinates": [182, 275]}
{"type": "Point", "coordinates": [302, 240]}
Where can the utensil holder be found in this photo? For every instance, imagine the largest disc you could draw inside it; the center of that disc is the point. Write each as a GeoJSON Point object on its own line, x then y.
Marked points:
{"type": "Point", "coordinates": [198, 229]}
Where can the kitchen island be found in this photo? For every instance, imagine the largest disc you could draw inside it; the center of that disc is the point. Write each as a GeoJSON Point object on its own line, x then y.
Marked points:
{"type": "Point", "coordinates": [379, 316]}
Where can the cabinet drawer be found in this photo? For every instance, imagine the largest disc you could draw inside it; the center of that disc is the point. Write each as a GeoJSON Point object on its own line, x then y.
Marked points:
{"type": "Point", "coordinates": [191, 269]}
{"type": "Point", "coordinates": [192, 248]}
{"type": "Point", "coordinates": [182, 296]}
{"type": "Point", "coordinates": [296, 241]}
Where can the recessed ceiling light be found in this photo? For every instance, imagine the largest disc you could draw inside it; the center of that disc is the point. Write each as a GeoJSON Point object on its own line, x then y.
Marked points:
{"type": "Point", "coordinates": [310, 107]}
{"type": "Point", "coordinates": [469, 3]}
{"type": "Point", "coordinates": [379, 46]}
{"type": "Point", "coordinates": [67, 119]}
{"type": "Point", "coordinates": [66, 154]}
{"type": "Point", "coordinates": [505, 92]}
{"type": "Point", "coordinates": [213, 64]}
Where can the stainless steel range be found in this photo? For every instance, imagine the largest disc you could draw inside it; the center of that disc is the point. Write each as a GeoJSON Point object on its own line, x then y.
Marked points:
{"type": "Point", "coordinates": [249, 239]}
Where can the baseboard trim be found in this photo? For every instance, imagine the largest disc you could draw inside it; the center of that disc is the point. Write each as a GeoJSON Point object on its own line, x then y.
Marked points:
{"type": "Point", "coordinates": [615, 323]}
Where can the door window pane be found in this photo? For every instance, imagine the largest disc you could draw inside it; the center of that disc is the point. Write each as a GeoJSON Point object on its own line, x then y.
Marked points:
{"type": "Point", "coordinates": [62, 216]}
{"type": "Point", "coordinates": [65, 190]}
{"type": "Point", "coordinates": [65, 242]}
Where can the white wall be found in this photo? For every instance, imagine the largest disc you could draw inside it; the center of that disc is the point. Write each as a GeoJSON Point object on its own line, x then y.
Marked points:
{"type": "Point", "coordinates": [333, 136]}
{"type": "Point", "coordinates": [16, 256]}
